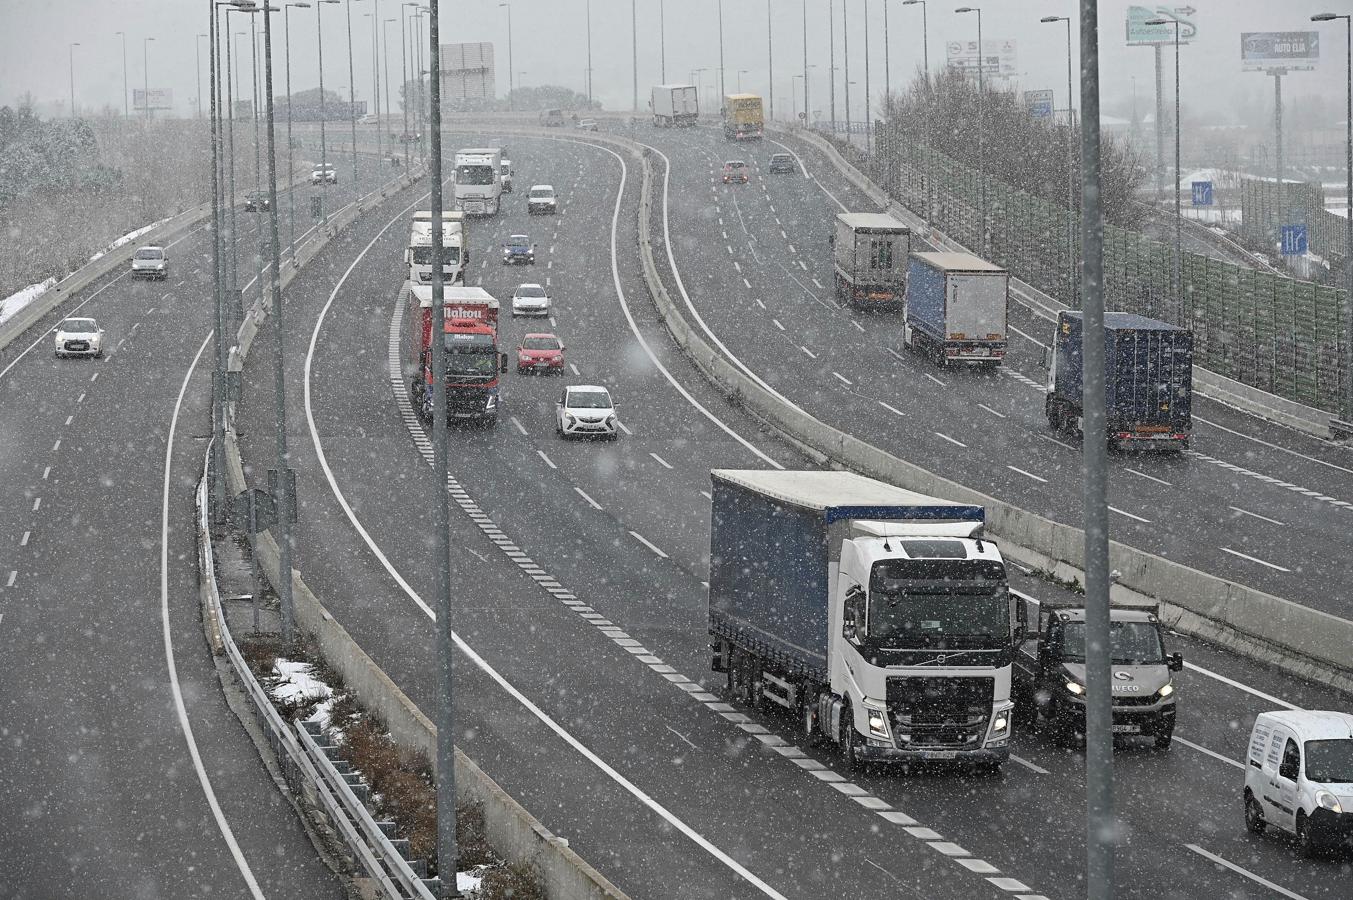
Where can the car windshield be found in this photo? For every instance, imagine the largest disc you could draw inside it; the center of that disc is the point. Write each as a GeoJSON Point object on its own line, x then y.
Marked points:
{"type": "Point", "coordinates": [477, 174]}
{"type": "Point", "coordinates": [1330, 761]}
{"type": "Point", "coordinates": [780, 158]}
{"type": "Point", "coordinates": [589, 400]}
{"type": "Point", "coordinates": [542, 194]}
{"type": "Point", "coordinates": [1130, 643]}
{"type": "Point", "coordinates": [79, 326]}
{"type": "Point", "coordinates": [950, 602]}
{"type": "Point", "coordinates": [735, 165]}
{"type": "Point", "coordinates": [149, 253]}
{"type": "Point", "coordinates": [530, 290]}
{"type": "Point", "coordinates": [518, 240]}
{"type": "Point", "coordinates": [422, 256]}
{"type": "Point", "coordinates": [540, 343]}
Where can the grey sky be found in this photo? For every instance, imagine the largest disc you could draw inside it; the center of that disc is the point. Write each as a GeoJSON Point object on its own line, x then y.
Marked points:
{"type": "Point", "coordinates": [550, 46]}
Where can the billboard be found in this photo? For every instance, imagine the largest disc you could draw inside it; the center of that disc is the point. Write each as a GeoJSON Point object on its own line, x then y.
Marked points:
{"type": "Point", "coordinates": [468, 77]}
{"type": "Point", "coordinates": [1264, 50]}
{"type": "Point", "coordinates": [997, 57]}
{"type": "Point", "coordinates": [1139, 33]}
{"type": "Point", "coordinates": [160, 98]}
{"type": "Point", "coordinates": [1039, 104]}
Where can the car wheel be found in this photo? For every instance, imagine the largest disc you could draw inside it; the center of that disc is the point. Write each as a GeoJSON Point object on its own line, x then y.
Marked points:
{"type": "Point", "coordinates": [1306, 842]}
{"type": "Point", "coordinates": [1254, 814]}
{"type": "Point", "coordinates": [99, 355]}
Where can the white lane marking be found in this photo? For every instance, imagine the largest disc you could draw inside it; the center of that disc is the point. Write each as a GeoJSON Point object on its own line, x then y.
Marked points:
{"type": "Point", "coordinates": [895, 354]}
{"type": "Point", "coordinates": [94, 377]}
{"type": "Point", "coordinates": [738, 266]}
{"type": "Point", "coordinates": [776, 323]}
{"type": "Point", "coordinates": [1150, 477]}
{"type": "Point", "coordinates": [549, 462]}
{"type": "Point", "coordinates": [680, 735]}
{"type": "Point", "coordinates": [81, 398]}
{"type": "Point", "coordinates": [747, 284]}
{"type": "Point", "coordinates": [23, 541]}
{"type": "Point", "coordinates": [1129, 515]}
{"type": "Point", "coordinates": [706, 495]}
{"type": "Point", "coordinates": [553, 323]}
{"type": "Point", "coordinates": [1272, 446]}
{"type": "Point", "coordinates": [1053, 440]}
{"type": "Point", "coordinates": [1212, 753]}
{"type": "Point", "coordinates": [621, 425]}
{"type": "Point", "coordinates": [647, 543]}
{"type": "Point", "coordinates": [760, 304]}
{"type": "Point", "coordinates": [179, 706]}
{"type": "Point", "coordinates": [662, 462]}
{"type": "Point", "coordinates": [999, 415]}
{"type": "Point", "coordinates": [1269, 479]}
{"type": "Point", "coordinates": [1254, 559]}
{"type": "Point", "coordinates": [936, 380]}
{"type": "Point", "coordinates": [574, 369]}
{"type": "Point", "coordinates": [69, 419]}
{"type": "Point", "coordinates": [1245, 872]}
{"type": "Point", "coordinates": [783, 235]}
{"type": "Point", "coordinates": [820, 285]}
{"type": "Point", "coordinates": [802, 264]}
{"type": "Point", "coordinates": [37, 502]}
{"type": "Point", "coordinates": [892, 409]}
{"type": "Point", "coordinates": [857, 325]}
{"type": "Point", "coordinates": [581, 493]}
{"type": "Point", "coordinates": [520, 426]}
{"type": "Point", "coordinates": [1027, 474]}
{"type": "Point", "coordinates": [1246, 512]}
{"type": "Point", "coordinates": [791, 249]}
{"type": "Point", "coordinates": [843, 378]}
{"type": "Point", "coordinates": [13, 574]}
{"type": "Point", "coordinates": [730, 249]}
{"type": "Point", "coordinates": [45, 472]}
{"type": "Point", "coordinates": [809, 352]}
{"type": "Point", "coordinates": [1032, 767]}
{"type": "Point", "coordinates": [57, 445]}
{"type": "Point", "coordinates": [1027, 337]}
{"type": "Point", "coordinates": [943, 436]}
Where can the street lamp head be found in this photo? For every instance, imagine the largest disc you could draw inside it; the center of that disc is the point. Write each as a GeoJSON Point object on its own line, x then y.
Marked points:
{"type": "Point", "coordinates": [966, 9]}
{"type": "Point", "coordinates": [1046, 19]}
{"type": "Point", "coordinates": [301, 5]}
{"type": "Point", "coordinates": [1174, 22]}
{"type": "Point", "coordinates": [912, 2]}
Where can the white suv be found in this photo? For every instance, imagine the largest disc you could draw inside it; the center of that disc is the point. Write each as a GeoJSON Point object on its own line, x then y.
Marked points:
{"type": "Point", "coordinates": [586, 410]}
{"type": "Point", "coordinates": [326, 174]}
{"type": "Point", "coordinates": [530, 300]}
{"type": "Point", "coordinates": [150, 262]}
{"type": "Point", "coordinates": [1299, 777]}
{"type": "Point", "coordinates": [79, 337]}
{"type": "Point", "coordinates": [541, 199]}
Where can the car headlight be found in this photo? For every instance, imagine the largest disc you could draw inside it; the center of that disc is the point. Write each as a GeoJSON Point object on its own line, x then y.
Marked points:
{"type": "Point", "coordinates": [1076, 688]}
{"type": "Point", "coordinates": [1166, 691]}
{"type": "Point", "coordinates": [1326, 800]}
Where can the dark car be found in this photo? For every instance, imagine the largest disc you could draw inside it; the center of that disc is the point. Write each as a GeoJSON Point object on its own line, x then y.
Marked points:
{"type": "Point", "coordinates": [257, 201]}
{"type": "Point", "coordinates": [782, 163]}
{"type": "Point", "coordinates": [519, 249]}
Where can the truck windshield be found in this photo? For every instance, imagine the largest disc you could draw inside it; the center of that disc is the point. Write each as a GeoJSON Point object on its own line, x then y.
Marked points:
{"type": "Point", "coordinates": [917, 603]}
{"type": "Point", "coordinates": [1330, 762]}
{"type": "Point", "coordinates": [463, 363]}
{"type": "Point", "coordinates": [422, 256]}
{"type": "Point", "coordinates": [1130, 643]}
{"type": "Point", "coordinates": [476, 175]}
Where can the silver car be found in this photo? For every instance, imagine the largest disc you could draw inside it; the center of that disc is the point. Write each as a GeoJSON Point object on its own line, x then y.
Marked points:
{"type": "Point", "coordinates": [585, 410]}
{"type": "Point", "coordinates": [530, 300]}
{"type": "Point", "coordinates": [150, 262]}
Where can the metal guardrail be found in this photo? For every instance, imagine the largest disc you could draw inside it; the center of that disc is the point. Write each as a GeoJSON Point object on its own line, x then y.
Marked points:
{"type": "Point", "coordinates": [304, 763]}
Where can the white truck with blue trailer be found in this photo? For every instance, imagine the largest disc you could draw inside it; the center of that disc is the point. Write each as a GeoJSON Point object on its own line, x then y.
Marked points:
{"type": "Point", "coordinates": [880, 617]}
{"type": "Point", "coordinates": [956, 309]}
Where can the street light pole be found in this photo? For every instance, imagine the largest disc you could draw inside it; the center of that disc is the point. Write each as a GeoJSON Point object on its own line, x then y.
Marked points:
{"type": "Point", "coordinates": [887, 56]}
{"type": "Point", "coordinates": [126, 108]}
{"type": "Point", "coordinates": [218, 331]}
{"type": "Point", "coordinates": [662, 37]}
{"type": "Point", "coordinates": [722, 89]}
{"type": "Point", "coordinates": [352, 95]}
{"type": "Point", "coordinates": [375, 16]}
{"type": "Point", "coordinates": [323, 111]}
{"type": "Point", "coordinates": [1346, 408]}
{"type": "Point", "coordinates": [385, 57]}
{"type": "Point", "coordinates": [145, 71]}
{"type": "Point", "coordinates": [233, 283]}
{"type": "Point", "coordinates": [806, 114]}
{"type": "Point", "coordinates": [71, 48]}
{"type": "Point", "coordinates": [868, 107]}
{"type": "Point", "coordinates": [634, 48]}
{"type": "Point", "coordinates": [770, 67]}
{"type": "Point", "coordinates": [511, 66]}
{"type": "Point", "coordinates": [925, 126]}
{"type": "Point", "coordinates": [981, 128]}
{"type": "Point", "coordinates": [404, 76]}
{"type": "Point", "coordinates": [1070, 170]}
{"type": "Point", "coordinates": [1178, 212]}
{"type": "Point", "coordinates": [845, 61]}
{"type": "Point", "coordinates": [197, 45]}
{"type": "Point", "coordinates": [589, 54]}
{"type": "Point", "coordinates": [291, 151]}
{"type": "Point", "coordinates": [831, 59]}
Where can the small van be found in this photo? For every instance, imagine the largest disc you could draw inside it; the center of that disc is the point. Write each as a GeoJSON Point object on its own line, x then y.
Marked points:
{"type": "Point", "coordinates": [552, 118]}
{"type": "Point", "coordinates": [1299, 777]}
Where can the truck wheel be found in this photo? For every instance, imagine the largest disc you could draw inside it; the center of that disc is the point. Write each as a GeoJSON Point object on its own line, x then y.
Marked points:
{"type": "Point", "coordinates": [808, 720]}
{"type": "Point", "coordinates": [1254, 814]}
{"type": "Point", "coordinates": [1164, 739]}
{"type": "Point", "coordinates": [848, 738]}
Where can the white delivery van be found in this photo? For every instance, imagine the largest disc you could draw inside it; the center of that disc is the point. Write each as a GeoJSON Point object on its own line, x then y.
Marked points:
{"type": "Point", "coordinates": [1299, 777]}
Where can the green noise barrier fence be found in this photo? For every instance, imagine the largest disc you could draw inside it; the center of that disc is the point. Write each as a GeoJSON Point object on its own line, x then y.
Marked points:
{"type": "Point", "coordinates": [1270, 332]}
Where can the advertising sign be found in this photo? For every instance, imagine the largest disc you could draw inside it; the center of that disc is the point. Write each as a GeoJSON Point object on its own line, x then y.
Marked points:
{"type": "Point", "coordinates": [1039, 104]}
{"type": "Point", "coordinates": [160, 98]}
{"type": "Point", "coordinates": [469, 80]}
{"type": "Point", "coordinates": [1263, 50]}
{"type": "Point", "coordinates": [1139, 33]}
{"type": "Point", "coordinates": [997, 58]}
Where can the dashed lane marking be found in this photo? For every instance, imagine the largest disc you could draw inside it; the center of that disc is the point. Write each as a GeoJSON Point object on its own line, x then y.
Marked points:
{"type": "Point", "coordinates": [13, 574]}
{"type": "Point", "coordinates": [1246, 873]}
{"type": "Point", "coordinates": [758, 302]}
{"type": "Point", "coordinates": [857, 325]}
{"type": "Point", "coordinates": [776, 323]}
{"type": "Point", "coordinates": [45, 472]}
{"type": "Point", "coordinates": [1038, 478]}
{"type": "Point", "coordinates": [954, 441]}
{"type": "Point", "coordinates": [999, 415]}
{"type": "Point", "coordinates": [892, 409]}
{"type": "Point", "coordinates": [549, 462]}
{"type": "Point", "coordinates": [1269, 479]}
{"type": "Point", "coordinates": [844, 379]}
{"type": "Point", "coordinates": [650, 545]}
{"type": "Point", "coordinates": [518, 424]}
{"type": "Point", "coordinates": [623, 427]}
{"type": "Point", "coordinates": [809, 352]}
{"type": "Point", "coordinates": [1254, 559]}
{"type": "Point", "coordinates": [590, 502]}
{"type": "Point", "coordinates": [23, 541]}
{"type": "Point", "coordinates": [574, 368]}
{"type": "Point", "coordinates": [819, 284]}
{"type": "Point", "coordinates": [662, 462]}
{"type": "Point", "coordinates": [1246, 512]}
{"type": "Point", "coordinates": [936, 380]}
{"type": "Point", "coordinates": [1132, 516]}
{"type": "Point", "coordinates": [1140, 474]}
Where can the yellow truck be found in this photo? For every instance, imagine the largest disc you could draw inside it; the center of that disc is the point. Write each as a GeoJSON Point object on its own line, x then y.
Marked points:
{"type": "Point", "coordinates": [742, 118]}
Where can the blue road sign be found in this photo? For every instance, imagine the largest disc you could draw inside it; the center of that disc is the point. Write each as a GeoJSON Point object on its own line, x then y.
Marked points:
{"type": "Point", "coordinates": [1294, 240]}
{"type": "Point", "coordinates": [1202, 193]}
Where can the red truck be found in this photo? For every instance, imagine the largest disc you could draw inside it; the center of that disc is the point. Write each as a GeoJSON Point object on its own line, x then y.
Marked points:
{"type": "Point", "coordinates": [473, 360]}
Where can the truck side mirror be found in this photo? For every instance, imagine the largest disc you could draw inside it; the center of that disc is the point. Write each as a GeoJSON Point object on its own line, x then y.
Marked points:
{"type": "Point", "coordinates": [1175, 662]}
{"type": "Point", "coordinates": [1019, 634]}
{"type": "Point", "coordinates": [1047, 358]}
{"type": "Point", "coordinates": [502, 362]}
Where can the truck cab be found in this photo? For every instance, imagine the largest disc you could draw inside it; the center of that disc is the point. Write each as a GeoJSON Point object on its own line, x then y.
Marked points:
{"type": "Point", "coordinates": [472, 361]}
{"type": "Point", "coordinates": [479, 185]}
{"type": "Point", "coordinates": [418, 256]}
{"type": "Point", "coordinates": [1049, 669]}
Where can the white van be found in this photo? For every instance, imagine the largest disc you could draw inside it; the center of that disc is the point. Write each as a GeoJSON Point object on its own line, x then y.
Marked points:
{"type": "Point", "coordinates": [1299, 777]}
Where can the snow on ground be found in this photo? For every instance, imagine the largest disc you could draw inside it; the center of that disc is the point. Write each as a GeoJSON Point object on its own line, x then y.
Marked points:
{"type": "Point", "coordinates": [295, 683]}
{"type": "Point", "coordinates": [127, 239]}
{"type": "Point", "coordinates": [14, 302]}
{"type": "Point", "coordinates": [469, 882]}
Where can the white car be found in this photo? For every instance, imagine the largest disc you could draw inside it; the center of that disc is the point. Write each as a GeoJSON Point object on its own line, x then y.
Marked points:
{"type": "Point", "coordinates": [79, 337]}
{"type": "Point", "coordinates": [1299, 777]}
{"type": "Point", "coordinates": [324, 175]}
{"type": "Point", "coordinates": [585, 410]}
{"type": "Point", "coordinates": [541, 199]}
{"type": "Point", "coordinates": [150, 262]}
{"type": "Point", "coordinates": [530, 300]}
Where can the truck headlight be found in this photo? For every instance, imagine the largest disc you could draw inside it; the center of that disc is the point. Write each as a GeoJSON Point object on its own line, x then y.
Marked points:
{"type": "Point", "coordinates": [1000, 726]}
{"type": "Point", "coordinates": [1326, 800]}
{"type": "Point", "coordinates": [1076, 688]}
{"type": "Point", "coordinates": [1167, 691]}
{"type": "Point", "coordinates": [876, 715]}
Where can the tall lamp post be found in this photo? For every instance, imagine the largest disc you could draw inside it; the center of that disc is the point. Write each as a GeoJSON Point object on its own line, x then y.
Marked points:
{"type": "Point", "coordinates": [634, 49]}
{"type": "Point", "coordinates": [197, 45]}
{"type": "Point", "coordinates": [71, 48]}
{"type": "Point", "coordinates": [981, 127]}
{"type": "Point", "coordinates": [511, 67]}
{"type": "Point", "coordinates": [352, 95]}
{"type": "Point", "coordinates": [589, 54]}
{"type": "Point", "coordinates": [845, 61]}
{"type": "Point", "coordinates": [662, 37]}
{"type": "Point", "coordinates": [145, 71]}
{"type": "Point", "coordinates": [806, 113]}
{"type": "Point", "coordinates": [1346, 409]}
{"type": "Point", "coordinates": [404, 89]}
{"type": "Point", "coordinates": [1178, 212]}
{"type": "Point", "coordinates": [375, 17]}
{"type": "Point", "coordinates": [831, 59]}
{"type": "Point", "coordinates": [722, 91]}
{"type": "Point", "coordinates": [291, 150]}
{"type": "Point", "coordinates": [126, 108]}
{"type": "Point", "coordinates": [770, 66]}
{"type": "Point", "coordinates": [925, 127]}
{"type": "Point", "coordinates": [1070, 168]}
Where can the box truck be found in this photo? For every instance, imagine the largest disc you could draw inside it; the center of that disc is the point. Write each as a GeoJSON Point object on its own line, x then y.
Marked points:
{"type": "Point", "coordinates": [674, 104]}
{"type": "Point", "coordinates": [869, 257]}
{"type": "Point", "coordinates": [956, 309]}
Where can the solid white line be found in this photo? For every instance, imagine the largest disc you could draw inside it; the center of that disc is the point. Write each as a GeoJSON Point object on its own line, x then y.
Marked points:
{"type": "Point", "coordinates": [581, 493]}
{"type": "Point", "coordinates": [936, 380]}
{"type": "Point", "coordinates": [1211, 753]}
{"type": "Point", "coordinates": [1028, 765]}
{"type": "Point", "coordinates": [574, 368]}
{"type": "Point", "coordinates": [180, 708]}
{"type": "Point", "coordinates": [662, 462]}
{"type": "Point", "coordinates": [946, 437]}
{"type": "Point", "coordinates": [1029, 474]}
{"type": "Point", "coordinates": [1254, 559]}
{"type": "Point", "coordinates": [1245, 872]}
{"type": "Point", "coordinates": [1150, 478]}
{"type": "Point", "coordinates": [1027, 337]}
{"type": "Point", "coordinates": [549, 462]}
{"type": "Point", "coordinates": [892, 409]}
{"type": "Point", "coordinates": [520, 426]}
{"type": "Point", "coordinates": [1257, 516]}
{"type": "Point", "coordinates": [809, 352]}
{"type": "Point", "coordinates": [999, 415]}
{"type": "Point", "coordinates": [1129, 515]}
{"type": "Point", "coordinates": [621, 426]}
{"type": "Point", "coordinates": [842, 377]}
{"type": "Point", "coordinates": [895, 354]}
{"type": "Point", "coordinates": [643, 540]}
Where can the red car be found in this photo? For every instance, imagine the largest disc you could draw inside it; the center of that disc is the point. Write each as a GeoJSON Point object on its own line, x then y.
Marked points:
{"type": "Point", "coordinates": [735, 170]}
{"type": "Point", "coordinates": [540, 352]}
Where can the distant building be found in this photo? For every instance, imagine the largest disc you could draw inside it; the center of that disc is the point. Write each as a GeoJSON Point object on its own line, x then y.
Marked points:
{"type": "Point", "coordinates": [468, 77]}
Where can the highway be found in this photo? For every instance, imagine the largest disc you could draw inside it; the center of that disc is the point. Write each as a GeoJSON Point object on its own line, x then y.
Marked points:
{"type": "Point", "coordinates": [584, 684]}
{"type": "Point", "coordinates": [123, 772]}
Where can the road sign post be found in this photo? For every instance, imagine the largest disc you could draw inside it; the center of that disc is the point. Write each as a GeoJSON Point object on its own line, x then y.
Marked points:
{"type": "Point", "coordinates": [1294, 240]}
{"type": "Point", "coordinates": [1039, 104]}
{"type": "Point", "coordinates": [1202, 193]}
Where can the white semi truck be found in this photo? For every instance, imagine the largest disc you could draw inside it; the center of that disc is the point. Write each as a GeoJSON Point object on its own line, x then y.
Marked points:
{"type": "Point", "coordinates": [479, 185]}
{"type": "Point", "coordinates": [455, 256]}
{"type": "Point", "coordinates": [880, 617]}
{"type": "Point", "coordinates": [675, 104]}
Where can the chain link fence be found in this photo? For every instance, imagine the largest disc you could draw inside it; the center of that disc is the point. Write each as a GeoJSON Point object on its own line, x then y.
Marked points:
{"type": "Point", "coordinates": [1277, 334]}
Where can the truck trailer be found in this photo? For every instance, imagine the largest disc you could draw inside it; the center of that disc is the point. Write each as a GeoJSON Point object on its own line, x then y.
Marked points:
{"type": "Point", "coordinates": [869, 257]}
{"type": "Point", "coordinates": [742, 117]}
{"type": "Point", "coordinates": [472, 359]}
{"type": "Point", "coordinates": [1148, 374]}
{"type": "Point", "coordinates": [479, 185]}
{"type": "Point", "coordinates": [956, 309]}
{"type": "Point", "coordinates": [880, 617]}
{"type": "Point", "coordinates": [419, 252]}
{"type": "Point", "coordinates": [675, 104]}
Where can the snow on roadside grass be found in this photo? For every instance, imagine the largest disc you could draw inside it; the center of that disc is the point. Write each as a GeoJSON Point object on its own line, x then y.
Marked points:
{"type": "Point", "coordinates": [11, 305]}
{"type": "Point", "coordinates": [128, 238]}
{"type": "Point", "coordinates": [295, 685]}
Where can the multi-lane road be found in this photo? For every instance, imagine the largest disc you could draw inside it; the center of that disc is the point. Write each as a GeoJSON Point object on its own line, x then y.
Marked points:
{"type": "Point", "coordinates": [583, 677]}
